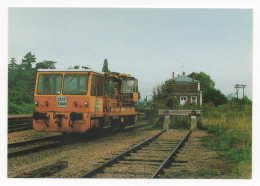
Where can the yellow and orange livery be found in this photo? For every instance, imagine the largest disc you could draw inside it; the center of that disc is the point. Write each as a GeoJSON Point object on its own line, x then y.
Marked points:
{"type": "Point", "coordinates": [77, 100]}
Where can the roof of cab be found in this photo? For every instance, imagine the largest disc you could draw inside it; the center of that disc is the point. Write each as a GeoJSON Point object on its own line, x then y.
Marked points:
{"type": "Point", "coordinates": [68, 70]}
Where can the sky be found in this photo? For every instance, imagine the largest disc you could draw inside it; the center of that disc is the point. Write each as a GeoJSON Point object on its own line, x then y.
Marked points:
{"type": "Point", "coordinates": [149, 44]}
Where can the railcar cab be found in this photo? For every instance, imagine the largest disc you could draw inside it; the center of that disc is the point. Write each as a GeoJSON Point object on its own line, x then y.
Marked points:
{"type": "Point", "coordinates": [66, 100]}
{"type": "Point", "coordinates": [124, 88]}
{"type": "Point", "coordinates": [80, 99]}
{"type": "Point", "coordinates": [130, 89]}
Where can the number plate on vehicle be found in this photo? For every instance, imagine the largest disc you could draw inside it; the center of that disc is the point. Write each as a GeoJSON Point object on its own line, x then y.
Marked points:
{"type": "Point", "coordinates": [61, 101]}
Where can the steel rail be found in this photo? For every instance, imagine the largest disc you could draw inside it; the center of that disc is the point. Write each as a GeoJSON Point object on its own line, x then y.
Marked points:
{"type": "Point", "coordinates": [19, 116]}
{"type": "Point", "coordinates": [57, 137]}
{"type": "Point", "coordinates": [34, 149]}
{"type": "Point", "coordinates": [167, 160]}
{"type": "Point", "coordinates": [34, 140]}
{"type": "Point", "coordinates": [19, 123]}
{"type": "Point", "coordinates": [112, 161]}
{"type": "Point", "coordinates": [46, 170]}
{"type": "Point", "coordinates": [21, 127]}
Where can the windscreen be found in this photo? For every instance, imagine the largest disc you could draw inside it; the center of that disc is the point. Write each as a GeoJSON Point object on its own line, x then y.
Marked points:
{"type": "Point", "coordinates": [128, 86]}
{"type": "Point", "coordinates": [75, 84]}
{"type": "Point", "coordinates": [49, 84]}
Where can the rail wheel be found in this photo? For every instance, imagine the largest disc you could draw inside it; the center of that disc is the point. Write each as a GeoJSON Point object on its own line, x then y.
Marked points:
{"type": "Point", "coordinates": [132, 119]}
{"type": "Point", "coordinates": [117, 124]}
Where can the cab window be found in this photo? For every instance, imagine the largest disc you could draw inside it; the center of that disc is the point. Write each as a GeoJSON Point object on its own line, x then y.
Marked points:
{"type": "Point", "coordinates": [49, 84]}
{"type": "Point", "coordinates": [97, 85]}
{"type": "Point", "coordinates": [129, 86]}
{"type": "Point", "coordinates": [75, 84]}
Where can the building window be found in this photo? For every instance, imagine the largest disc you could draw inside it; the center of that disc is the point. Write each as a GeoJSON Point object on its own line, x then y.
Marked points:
{"type": "Point", "coordinates": [183, 100]}
{"type": "Point", "coordinates": [193, 100]}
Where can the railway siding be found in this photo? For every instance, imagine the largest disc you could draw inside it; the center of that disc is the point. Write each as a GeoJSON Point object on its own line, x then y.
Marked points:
{"type": "Point", "coordinates": [157, 150]}
{"type": "Point", "coordinates": [197, 161]}
{"type": "Point", "coordinates": [81, 156]}
{"type": "Point", "coordinates": [193, 160]}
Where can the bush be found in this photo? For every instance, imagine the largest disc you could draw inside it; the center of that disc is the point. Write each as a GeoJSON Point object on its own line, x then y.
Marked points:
{"type": "Point", "coordinates": [20, 102]}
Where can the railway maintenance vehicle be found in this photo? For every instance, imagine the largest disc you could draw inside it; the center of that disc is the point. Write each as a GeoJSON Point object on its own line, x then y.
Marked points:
{"type": "Point", "coordinates": [76, 100]}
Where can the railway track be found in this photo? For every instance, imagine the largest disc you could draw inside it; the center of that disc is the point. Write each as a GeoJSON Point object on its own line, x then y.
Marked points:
{"type": "Point", "coordinates": [19, 123]}
{"type": "Point", "coordinates": [35, 145]}
{"type": "Point", "coordinates": [46, 170]}
{"type": "Point", "coordinates": [145, 160]}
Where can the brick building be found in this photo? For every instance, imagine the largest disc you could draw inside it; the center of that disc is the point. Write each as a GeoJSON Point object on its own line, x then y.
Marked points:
{"type": "Point", "coordinates": [186, 89]}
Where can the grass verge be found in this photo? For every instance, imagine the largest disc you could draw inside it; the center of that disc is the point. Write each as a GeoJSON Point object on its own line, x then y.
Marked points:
{"type": "Point", "coordinates": [232, 126]}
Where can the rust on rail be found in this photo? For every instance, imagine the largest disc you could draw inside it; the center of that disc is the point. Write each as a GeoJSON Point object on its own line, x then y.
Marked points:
{"type": "Point", "coordinates": [19, 116]}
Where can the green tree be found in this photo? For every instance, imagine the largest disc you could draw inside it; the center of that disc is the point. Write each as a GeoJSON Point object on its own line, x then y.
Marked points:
{"type": "Point", "coordinates": [76, 67]}
{"type": "Point", "coordinates": [45, 65]}
{"type": "Point", "coordinates": [21, 82]}
{"type": "Point", "coordinates": [105, 66]}
{"type": "Point", "coordinates": [205, 80]}
{"type": "Point", "coordinates": [27, 61]}
{"type": "Point", "coordinates": [163, 97]}
{"type": "Point", "coordinates": [215, 96]}
{"type": "Point", "coordinates": [12, 66]}
{"type": "Point", "coordinates": [209, 92]}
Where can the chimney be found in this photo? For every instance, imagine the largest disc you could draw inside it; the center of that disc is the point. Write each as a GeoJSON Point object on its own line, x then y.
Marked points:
{"type": "Point", "coordinates": [183, 73]}
{"type": "Point", "coordinates": [173, 76]}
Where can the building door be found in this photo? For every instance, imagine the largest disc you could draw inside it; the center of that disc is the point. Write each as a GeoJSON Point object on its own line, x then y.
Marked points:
{"type": "Point", "coordinates": [183, 100]}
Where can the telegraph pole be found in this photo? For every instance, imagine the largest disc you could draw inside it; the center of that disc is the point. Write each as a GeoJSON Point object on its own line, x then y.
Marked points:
{"type": "Point", "coordinates": [243, 86]}
{"type": "Point", "coordinates": [238, 86]}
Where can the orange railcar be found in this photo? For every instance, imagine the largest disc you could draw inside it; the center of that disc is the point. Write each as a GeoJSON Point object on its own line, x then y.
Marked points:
{"type": "Point", "coordinates": [77, 100]}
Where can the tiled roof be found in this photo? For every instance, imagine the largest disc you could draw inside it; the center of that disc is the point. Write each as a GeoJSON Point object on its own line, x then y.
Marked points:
{"type": "Point", "coordinates": [185, 78]}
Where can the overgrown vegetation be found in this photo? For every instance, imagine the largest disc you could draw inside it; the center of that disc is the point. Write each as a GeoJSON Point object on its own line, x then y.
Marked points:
{"type": "Point", "coordinates": [232, 126]}
{"type": "Point", "coordinates": [21, 82]}
{"type": "Point", "coordinates": [228, 118]}
{"type": "Point", "coordinates": [210, 93]}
